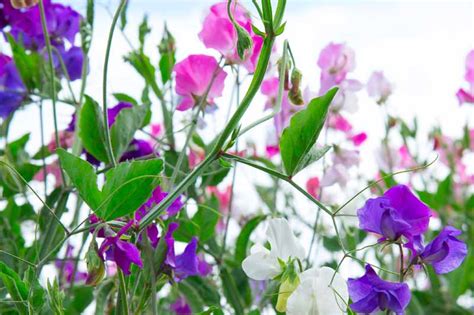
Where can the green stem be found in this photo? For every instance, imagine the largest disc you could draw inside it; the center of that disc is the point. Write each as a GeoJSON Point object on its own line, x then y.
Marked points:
{"type": "Point", "coordinates": [49, 48]}
{"type": "Point", "coordinates": [122, 303]}
{"type": "Point", "coordinates": [104, 82]}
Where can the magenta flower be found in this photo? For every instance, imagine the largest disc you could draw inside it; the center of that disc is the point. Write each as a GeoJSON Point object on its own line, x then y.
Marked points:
{"type": "Point", "coordinates": [67, 267]}
{"type": "Point", "coordinates": [313, 186]}
{"type": "Point", "coordinates": [219, 33]}
{"type": "Point", "coordinates": [379, 87]}
{"type": "Point", "coordinates": [123, 253]}
{"type": "Point", "coordinates": [397, 213]}
{"type": "Point", "coordinates": [467, 96]}
{"type": "Point", "coordinates": [338, 122]}
{"type": "Point", "coordinates": [12, 89]}
{"type": "Point", "coordinates": [181, 307]}
{"type": "Point", "coordinates": [370, 294]}
{"type": "Point", "coordinates": [359, 138]}
{"type": "Point", "coordinates": [186, 264]}
{"type": "Point", "coordinates": [445, 252]}
{"type": "Point", "coordinates": [193, 77]}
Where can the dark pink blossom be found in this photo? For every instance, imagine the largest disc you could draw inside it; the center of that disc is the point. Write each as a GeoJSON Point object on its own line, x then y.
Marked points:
{"type": "Point", "coordinates": [194, 75]}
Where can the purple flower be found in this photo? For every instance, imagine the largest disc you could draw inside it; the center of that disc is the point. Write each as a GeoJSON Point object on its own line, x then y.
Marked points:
{"type": "Point", "coordinates": [122, 252]}
{"type": "Point", "coordinates": [63, 25]}
{"type": "Point", "coordinates": [397, 213]}
{"type": "Point", "coordinates": [445, 252]}
{"type": "Point", "coordinates": [73, 60]}
{"type": "Point", "coordinates": [12, 89]}
{"type": "Point", "coordinates": [370, 293]}
{"type": "Point", "coordinates": [68, 267]}
{"type": "Point", "coordinates": [181, 307]}
{"type": "Point", "coordinates": [186, 264]}
{"type": "Point", "coordinates": [137, 148]}
{"type": "Point", "coordinates": [157, 196]}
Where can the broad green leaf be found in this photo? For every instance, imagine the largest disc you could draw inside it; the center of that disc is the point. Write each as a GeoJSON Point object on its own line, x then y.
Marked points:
{"type": "Point", "coordinates": [206, 288]}
{"type": "Point", "coordinates": [37, 297]}
{"type": "Point", "coordinates": [91, 130]}
{"type": "Point", "coordinates": [102, 296]}
{"type": "Point", "coordinates": [231, 292]}
{"type": "Point", "coordinates": [122, 97]}
{"type": "Point", "coordinates": [125, 126]}
{"type": "Point", "coordinates": [128, 186]}
{"type": "Point", "coordinates": [29, 65]}
{"type": "Point", "coordinates": [206, 219]}
{"type": "Point", "coordinates": [79, 300]}
{"type": "Point", "coordinates": [242, 242]}
{"type": "Point", "coordinates": [192, 296]}
{"type": "Point", "coordinates": [300, 136]}
{"type": "Point", "coordinates": [315, 154]}
{"type": "Point", "coordinates": [15, 287]}
{"type": "Point", "coordinates": [83, 176]}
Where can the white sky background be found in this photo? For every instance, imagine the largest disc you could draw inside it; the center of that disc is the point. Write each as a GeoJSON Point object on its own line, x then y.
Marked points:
{"type": "Point", "coordinates": [420, 46]}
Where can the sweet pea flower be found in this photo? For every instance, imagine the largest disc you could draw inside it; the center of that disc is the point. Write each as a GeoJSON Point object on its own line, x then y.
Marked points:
{"type": "Point", "coordinates": [371, 294]}
{"type": "Point", "coordinates": [181, 307]}
{"type": "Point", "coordinates": [123, 253]}
{"type": "Point", "coordinates": [338, 122]}
{"type": "Point", "coordinates": [313, 186]}
{"type": "Point", "coordinates": [358, 139]}
{"type": "Point", "coordinates": [67, 267]}
{"type": "Point", "coordinates": [219, 33]}
{"type": "Point", "coordinates": [335, 61]}
{"type": "Point", "coordinates": [12, 89]}
{"type": "Point", "coordinates": [193, 77]}
{"type": "Point", "coordinates": [445, 252]}
{"type": "Point", "coordinates": [263, 264]}
{"type": "Point", "coordinates": [317, 295]}
{"type": "Point", "coordinates": [397, 213]}
{"type": "Point", "coordinates": [50, 169]}
{"type": "Point", "coordinates": [467, 96]}
{"type": "Point", "coordinates": [379, 87]}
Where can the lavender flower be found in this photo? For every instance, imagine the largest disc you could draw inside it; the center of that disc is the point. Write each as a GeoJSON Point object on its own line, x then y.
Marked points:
{"type": "Point", "coordinates": [181, 307]}
{"type": "Point", "coordinates": [122, 252]}
{"type": "Point", "coordinates": [12, 89]}
{"type": "Point", "coordinates": [67, 266]}
{"type": "Point", "coordinates": [397, 213]}
{"type": "Point", "coordinates": [370, 293]}
{"type": "Point", "coordinates": [445, 252]}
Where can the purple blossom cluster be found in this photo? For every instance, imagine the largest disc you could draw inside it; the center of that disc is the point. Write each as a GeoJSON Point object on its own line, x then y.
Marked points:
{"type": "Point", "coordinates": [24, 25]}
{"type": "Point", "coordinates": [400, 217]}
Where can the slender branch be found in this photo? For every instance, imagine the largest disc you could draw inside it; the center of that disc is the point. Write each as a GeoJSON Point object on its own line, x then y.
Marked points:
{"type": "Point", "coordinates": [105, 82]}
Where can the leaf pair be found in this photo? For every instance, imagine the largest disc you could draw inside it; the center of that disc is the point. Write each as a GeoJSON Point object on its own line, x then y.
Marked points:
{"type": "Point", "coordinates": [126, 187]}
{"type": "Point", "coordinates": [297, 143]}
{"type": "Point", "coordinates": [92, 129]}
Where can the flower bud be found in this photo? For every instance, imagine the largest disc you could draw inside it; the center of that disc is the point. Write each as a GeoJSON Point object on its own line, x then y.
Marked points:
{"type": "Point", "coordinates": [95, 265]}
{"type": "Point", "coordinates": [286, 288]}
{"type": "Point", "coordinates": [295, 95]}
{"type": "Point", "coordinates": [20, 4]}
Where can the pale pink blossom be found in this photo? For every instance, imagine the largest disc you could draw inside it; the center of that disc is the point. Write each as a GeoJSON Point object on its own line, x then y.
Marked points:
{"type": "Point", "coordinates": [156, 130]}
{"type": "Point", "coordinates": [359, 138]}
{"type": "Point", "coordinates": [467, 95]}
{"type": "Point", "coordinates": [406, 160]}
{"type": "Point", "coordinates": [346, 97]}
{"type": "Point", "coordinates": [195, 156]}
{"type": "Point", "coordinates": [313, 186]}
{"type": "Point", "coordinates": [346, 157]}
{"type": "Point", "coordinates": [193, 77]}
{"type": "Point", "coordinates": [66, 140]}
{"type": "Point", "coordinates": [335, 174]}
{"type": "Point", "coordinates": [224, 197]}
{"type": "Point", "coordinates": [335, 61]}
{"type": "Point", "coordinates": [379, 87]}
{"type": "Point", "coordinates": [219, 33]}
{"type": "Point", "coordinates": [338, 122]}
{"type": "Point", "coordinates": [51, 169]}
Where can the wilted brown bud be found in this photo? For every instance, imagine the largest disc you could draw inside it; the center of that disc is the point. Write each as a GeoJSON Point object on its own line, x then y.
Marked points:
{"type": "Point", "coordinates": [21, 4]}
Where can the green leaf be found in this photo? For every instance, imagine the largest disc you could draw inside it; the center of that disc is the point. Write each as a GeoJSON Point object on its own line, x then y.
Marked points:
{"type": "Point", "coordinates": [128, 121]}
{"type": "Point", "coordinates": [231, 292]}
{"type": "Point", "coordinates": [55, 298]}
{"type": "Point", "coordinates": [28, 65]}
{"type": "Point", "coordinates": [122, 97]}
{"type": "Point", "coordinates": [83, 177]}
{"type": "Point", "coordinates": [102, 296]}
{"type": "Point", "coordinates": [91, 130]}
{"type": "Point", "coordinates": [206, 288]}
{"type": "Point", "coordinates": [143, 31]}
{"type": "Point", "coordinates": [37, 297]}
{"type": "Point", "coordinates": [15, 287]}
{"type": "Point", "coordinates": [300, 136]}
{"type": "Point", "coordinates": [192, 296]}
{"type": "Point", "coordinates": [123, 17]}
{"type": "Point", "coordinates": [206, 219]}
{"type": "Point", "coordinates": [128, 186]}
{"type": "Point", "coordinates": [82, 297]}
{"type": "Point", "coordinates": [242, 243]}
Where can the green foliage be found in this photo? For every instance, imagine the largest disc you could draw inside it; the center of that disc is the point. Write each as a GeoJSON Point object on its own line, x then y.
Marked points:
{"type": "Point", "coordinates": [29, 65]}
{"type": "Point", "coordinates": [298, 139]}
{"type": "Point", "coordinates": [15, 287]}
{"type": "Point", "coordinates": [91, 130]}
{"type": "Point", "coordinates": [242, 243]}
{"type": "Point", "coordinates": [136, 178]}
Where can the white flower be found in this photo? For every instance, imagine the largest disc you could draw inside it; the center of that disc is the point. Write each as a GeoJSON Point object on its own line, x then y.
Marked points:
{"type": "Point", "coordinates": [379, 87]}
{"type": "Point", "coordinates": [317, 296]}
{"type": "Point", "coordinates": [263, 264]}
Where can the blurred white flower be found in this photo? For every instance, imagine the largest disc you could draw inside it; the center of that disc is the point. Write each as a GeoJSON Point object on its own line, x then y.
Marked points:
{"type": "Point", "coordinates": [316, 295]}
{"type": "Point", "coordinates": [263, 264]}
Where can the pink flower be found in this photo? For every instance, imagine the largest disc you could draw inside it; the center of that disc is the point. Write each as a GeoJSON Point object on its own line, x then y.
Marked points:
{"type": "Point", "coordinates": [193, 77]}
{"type": "Point", "coordinates": [156, 130]}
{"type": "Point", "coordinates": [66, 140]}
{"type": "Point", "coordinates": [359, 138]}
{"type": "Point", "coordinates": [51, 169]}
{"type": "Point", "coordinates": [335, 61]}
{"type": "Point", "coordinates": [338, 122]}
{"type": "Point", "coordinates": [224, 202]}
{"type": "Point", "coordinates": [195, 157]}
{"type": "Point", "coordinates": [312, 186]}
{"type": "Point", "coordinates": [467, 96]}
{"type": "Point", "coordinates": [272, 150]}
{"type": "Point", "coordinates": [219, 33]}
{"type": "Point", "coordinates": [379, 87]}
{"type": "Point", "coordinates": [406, 160]}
